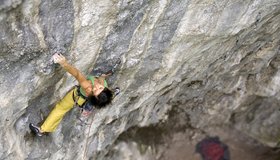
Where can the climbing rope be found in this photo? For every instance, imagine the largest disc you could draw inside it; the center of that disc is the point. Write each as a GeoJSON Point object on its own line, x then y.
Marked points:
{"type": "Point", "coordinates": [87, 137]}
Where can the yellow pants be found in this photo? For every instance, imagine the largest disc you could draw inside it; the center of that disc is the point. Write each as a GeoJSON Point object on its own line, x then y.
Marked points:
{"type": "Point", "coordinates": [60, 110]}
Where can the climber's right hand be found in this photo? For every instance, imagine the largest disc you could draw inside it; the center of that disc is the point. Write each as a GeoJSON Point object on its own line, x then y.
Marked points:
{"type": "Point", "coordinates": [59, 58]}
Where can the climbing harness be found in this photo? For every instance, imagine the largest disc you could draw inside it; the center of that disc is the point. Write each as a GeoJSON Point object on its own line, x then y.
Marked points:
{"type": "Point", "coordinates": [86, 107]}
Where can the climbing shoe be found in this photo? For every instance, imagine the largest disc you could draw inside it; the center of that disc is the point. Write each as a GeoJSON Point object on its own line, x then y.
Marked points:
{"type": "Point", "coordinates": [35, 129]}
{"type": "Point", "coordinates": [117, 91]}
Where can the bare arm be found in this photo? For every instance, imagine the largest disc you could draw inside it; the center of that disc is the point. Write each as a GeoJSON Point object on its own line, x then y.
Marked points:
{"type": "Point", "coordinates": [58, 58]}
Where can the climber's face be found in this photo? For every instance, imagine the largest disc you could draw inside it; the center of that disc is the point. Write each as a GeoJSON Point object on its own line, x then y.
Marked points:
{"type": "Point", "coordinates": [97, 88]}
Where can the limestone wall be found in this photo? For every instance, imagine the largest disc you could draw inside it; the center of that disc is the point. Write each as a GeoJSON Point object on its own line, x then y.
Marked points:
{"type": "Point", "coordinates": [213, 63]}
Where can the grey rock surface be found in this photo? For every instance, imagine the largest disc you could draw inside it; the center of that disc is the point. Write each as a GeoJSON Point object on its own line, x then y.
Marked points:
{"type": "Point", "coordinates": [189, 69]}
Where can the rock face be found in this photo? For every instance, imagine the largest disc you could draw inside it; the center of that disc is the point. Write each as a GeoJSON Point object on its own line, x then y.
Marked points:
{"type": "Point", "coordinates": [189, 69]}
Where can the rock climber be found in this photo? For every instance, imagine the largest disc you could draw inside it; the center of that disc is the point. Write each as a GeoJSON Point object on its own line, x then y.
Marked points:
{"type": "Point", "coordinates": [92, 91]}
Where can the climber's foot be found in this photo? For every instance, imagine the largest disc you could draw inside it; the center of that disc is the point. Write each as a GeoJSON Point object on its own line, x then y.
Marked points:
{"type": "Point", "coordinates": [117, 91]}
{"type": "Point", "coordinates": [35, 129]}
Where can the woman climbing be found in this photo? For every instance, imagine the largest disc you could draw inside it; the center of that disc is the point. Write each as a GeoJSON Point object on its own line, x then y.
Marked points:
{"type": "Point", "coordinates": [92, 91]}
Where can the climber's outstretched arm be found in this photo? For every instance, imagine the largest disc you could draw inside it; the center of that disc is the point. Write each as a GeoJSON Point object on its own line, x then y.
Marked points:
{"type": "Point", "coordinates": [58, 58]}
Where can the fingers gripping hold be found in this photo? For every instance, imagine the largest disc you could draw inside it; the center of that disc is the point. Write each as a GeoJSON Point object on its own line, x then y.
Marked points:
{"type": "Point", "coordinates": [58, 58]}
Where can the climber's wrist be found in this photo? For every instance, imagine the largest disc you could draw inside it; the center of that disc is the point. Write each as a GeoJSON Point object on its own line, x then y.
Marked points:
{"type": "Point", "coordinates": [64, 63]}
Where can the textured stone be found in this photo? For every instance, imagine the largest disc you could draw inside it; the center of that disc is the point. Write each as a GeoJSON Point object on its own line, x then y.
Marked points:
{"type": "Point", "coordinates": [189, 69]}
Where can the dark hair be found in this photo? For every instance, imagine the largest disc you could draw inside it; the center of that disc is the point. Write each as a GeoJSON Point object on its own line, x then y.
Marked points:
{"type": "Point", "coordinates": [103, 99]}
